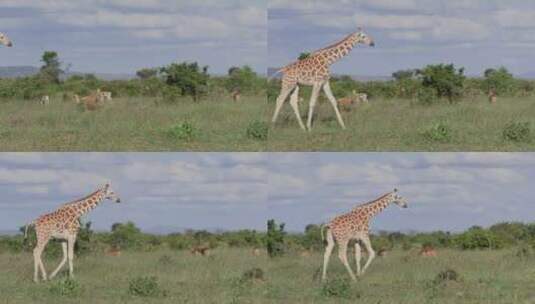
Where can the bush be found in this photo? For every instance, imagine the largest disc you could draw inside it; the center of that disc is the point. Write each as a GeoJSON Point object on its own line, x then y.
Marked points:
{"type": "Point", "coordinates": [438, 132]}
{"type": "Point", "coordinates": [189, 78]}
{"type": "Point", "coordinates": [253, 274]}
{"type": "Point", "coordinates": [500, 80]}
{"type": "Point", "coordinates": [336, 287]}
{"type": "Point", "coordinates": [445, 79]}
{"type": "Point", "coordinates": [446, 275]}
{"type": "Point", "coordinates": [145, 287]}
{"type": "Point", "coordinates": [517, 131]}
{"type": "Point", "coordinates": [125, 236]}
{"type": "Point", "coordinates": [275, 239]}
{"type": "Point", "coordinates": [477, 238]}
{"type": "Point", "coordinates": [65, 287]}
{"type": "Point", "coordinates": [258, 130]}
{"type": "Point", "coordinates": [182, 131]}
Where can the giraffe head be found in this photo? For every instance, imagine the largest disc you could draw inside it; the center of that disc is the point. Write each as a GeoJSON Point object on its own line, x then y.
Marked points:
{"type": "Point", "coordinates": [398, 199]}
{"type": "Point", "coordinates": [110, 194]}
{"type": "Point", "coordinates": [364, 38]}
{"type": "Point", "coordinates": [5, 40]}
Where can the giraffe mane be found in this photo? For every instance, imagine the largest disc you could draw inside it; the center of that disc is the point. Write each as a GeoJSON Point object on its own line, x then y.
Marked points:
{"type": "Point", "coordinates": [373, 201]}
{"type": "Point", "coordinates": [332, 45]}
{"type": "Point", "coordinates": [80, 199]}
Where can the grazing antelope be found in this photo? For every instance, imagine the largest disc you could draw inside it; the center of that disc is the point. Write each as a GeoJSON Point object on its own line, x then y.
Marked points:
{"type": "Point", "coordinates": [200, 250]}
{"type": "Point", "coordinates": [44, 100]}
{"type": "Point", "coordinates": [64, 224]}
{"type": "Point", "coordinates": [382, 252]}
{"type": "Point", "coordinates": [314, 71]}
{"type": "Point", "coordinates": [114, 251]}
{"type": "Point", "coordinates": [493, 97]}
{"type": "Point", "coordinates": [428, 251]}
{"type": "Point", "coordinates": [356, 98]}
{"type": "Point", "coordinates": [236, 95]}
{"type": "Point", "coordinates": [304, 254]}
{"type": "Point", "coordinates": [356, 225]}
{"type": "Point", "coordinates": [256, 252]}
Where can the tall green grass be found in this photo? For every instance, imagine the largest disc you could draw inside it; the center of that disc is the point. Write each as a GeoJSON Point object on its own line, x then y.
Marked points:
{"type": "Point", "coordinates": [224, 277]}
{"type": "Point", "coordinates": [403, 125]}
{"type": "Point", "coordinates": [133, 124]}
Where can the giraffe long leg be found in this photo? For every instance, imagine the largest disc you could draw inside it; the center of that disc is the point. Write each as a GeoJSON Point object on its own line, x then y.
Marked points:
{"type": "Point", "coordinates": [358, 256]}
{"type": "Point", "coordinates": [63, 260]}
{"type": "Point", "coordinates": [327, 254]}
{"type": "Point", "coordinates": [342, 254]}
{"type": "Point", "coordinates": [371, 253]}
{"type": "Point", "coordinates": [330, 96]}
{"type": "Point", "coordinates": [70, 243]}
{"type": "Point", "coordinates": [294, 102]}
{"type": "Point", "coordinates": [38, 262]}
{"type": "Point", "coordinates": [313, 99]}
{"type": "Point", "coordinates": [285, 91]}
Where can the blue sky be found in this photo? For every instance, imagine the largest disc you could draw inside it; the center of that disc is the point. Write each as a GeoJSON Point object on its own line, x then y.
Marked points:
{"type": "Point", "coordinates": [167, 192]}
{"type": "Point", "coordinates": [476, 34]}
{"type": "Point", "coordinates": [122, 36]}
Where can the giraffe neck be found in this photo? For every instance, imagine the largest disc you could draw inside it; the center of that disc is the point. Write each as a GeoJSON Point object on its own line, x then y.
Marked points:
{"type": "Point", "coordinates": [86, 204]}
{"type": "Point", "coordinates": [375, 207]}
{"type": "Point", "coordinates": [336, 51]}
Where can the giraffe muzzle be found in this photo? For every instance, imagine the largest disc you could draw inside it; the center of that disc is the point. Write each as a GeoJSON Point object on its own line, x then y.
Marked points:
{"type": "Point", "coordinates": [9, 44]}
{"type": "Point", "coordinates": [372, 44]}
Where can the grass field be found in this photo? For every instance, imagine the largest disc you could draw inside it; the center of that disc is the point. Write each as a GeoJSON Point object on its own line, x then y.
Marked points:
{"type": "Point", "coordinates": [398, 125]}
{"type": "Point", "coordinates": [134, 124]}
{"type": "Point", "coordinates": [400, 277]}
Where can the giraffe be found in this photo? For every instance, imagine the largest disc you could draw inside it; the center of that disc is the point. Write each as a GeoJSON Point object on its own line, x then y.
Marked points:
{"type": "Point", "coordinates": [314, 71]}
{"type": "Point", "coordinates": [64, 224]}
{"type": "Point", "coordinates": [4, 40]}
{"type": "Point", "coordinates": [355, 225]}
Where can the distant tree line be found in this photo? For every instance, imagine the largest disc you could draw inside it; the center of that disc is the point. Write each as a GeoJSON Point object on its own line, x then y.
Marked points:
{"type": "Point", "coordinates": [171, 82]}
{"type": "Point", "coordinates": [278, 242]}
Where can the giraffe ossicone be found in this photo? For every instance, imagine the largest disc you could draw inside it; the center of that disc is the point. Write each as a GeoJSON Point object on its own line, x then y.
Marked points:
{"type": "Point", "coordinates": [64, 224]}
{"type": "Point", "coordinates": [314, 71]}
{"type": "Point", "coordinates": [355, 225]}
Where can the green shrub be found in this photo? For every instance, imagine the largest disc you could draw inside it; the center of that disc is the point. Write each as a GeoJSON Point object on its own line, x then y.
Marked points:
{"type": "Point", "coordinates": [477, 238]}
{"type": "Point", "coordinates": [446, 275]}
{"type": "Point", "coordinates": [445, 79]}
{"type": "Point", "coordinates": [524, 251]}
{"type": "Point", "coordinates": [181, 131]}
{"type": "Point", "coordinates": [275, 239]}
{"type": "Point", "coordinates": [517, 131]}
{"type": "Point", "coordinates": [339, 287]}
{"type": "Point", "coordinates": [438, 132]}
{"type": "Point", "coordinates": [253, 274]}
{"type": "Point", "coordinates": [145, 287]}
{"type": "Point", "coordinates": [258, 130]}
{"type": "Point", "coordinates": [66, 287]}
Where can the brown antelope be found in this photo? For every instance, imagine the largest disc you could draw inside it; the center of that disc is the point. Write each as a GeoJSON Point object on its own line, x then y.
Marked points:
{"type": "Point", "coordinates": [114, 251]}
{"type": "Point", "coordinates": [203, 250]}
{"type": "Point", "coordinates": [304, 254]}
{"type": "Point", "coordinates": [428, 251]}
{"type": "Point", "coordinates": [382, 252]}
{"type": "Point", "coordinates": [493, 97]}
{"type": "Point", "coordinates": [236, 95]}
{"type": "Point", "coordinates": [256, 252]}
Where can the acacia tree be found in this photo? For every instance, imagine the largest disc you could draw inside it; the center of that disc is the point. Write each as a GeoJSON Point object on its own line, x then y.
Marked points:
{"type": "Point", "coordinates": [189, 78]}
{"type": "Point", "coordinates": [146, 73]}
{"type": "Point", "coordinates": [51, 69]}
{"type": "Point", "coordinates": [444, 79]}
{"type": "Point", "coordinates": [499, 80]}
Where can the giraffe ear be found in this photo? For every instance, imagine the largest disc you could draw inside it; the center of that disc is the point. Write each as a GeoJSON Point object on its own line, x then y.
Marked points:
{"type": "Point", "coordinates": [395, 189]}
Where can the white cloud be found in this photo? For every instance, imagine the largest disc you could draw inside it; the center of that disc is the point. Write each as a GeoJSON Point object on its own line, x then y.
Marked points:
{"type": "Point", "coordinates": [516, 18]}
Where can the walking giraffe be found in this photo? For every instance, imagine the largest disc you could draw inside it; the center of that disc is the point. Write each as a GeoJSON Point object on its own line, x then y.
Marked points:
{"type": "Point", "coordinates": [64, 224]}
{"type": "Point", "coordinates": [314, 71]}
{"type": "Point", "coordinates": [355, 225]}
{"type": "Point", "coordinates": [4, 40]}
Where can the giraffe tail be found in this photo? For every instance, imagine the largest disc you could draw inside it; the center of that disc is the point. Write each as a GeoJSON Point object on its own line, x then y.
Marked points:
{"type": "Point", "coordinates": [26, 229]}
{"type": "Point", "coordinates": [322, 228]}
{"type": "Point", "coordinates": [275, 74]}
